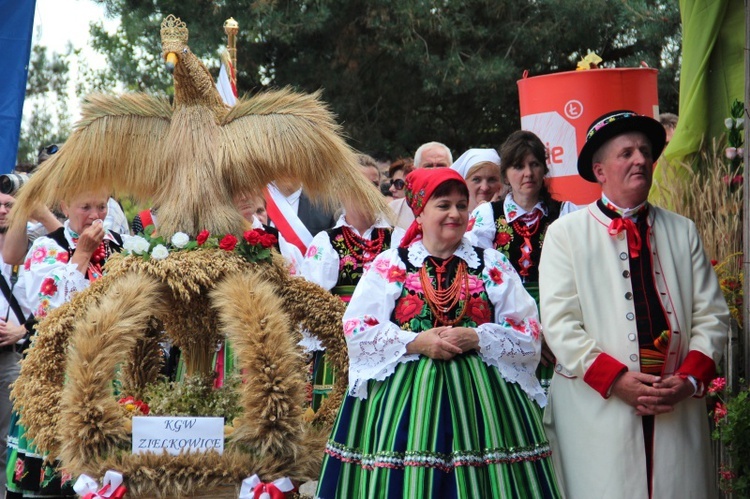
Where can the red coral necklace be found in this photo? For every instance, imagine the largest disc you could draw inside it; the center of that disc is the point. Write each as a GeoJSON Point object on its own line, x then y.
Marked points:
{"type": "Point", "coordinates": [442, 300]}
{"type": "Point", "coordinates": [363, 250]}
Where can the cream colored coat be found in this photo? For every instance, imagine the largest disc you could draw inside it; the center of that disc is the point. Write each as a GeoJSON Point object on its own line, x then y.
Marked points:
{"type": "Point", "coordinates": [586, 310]}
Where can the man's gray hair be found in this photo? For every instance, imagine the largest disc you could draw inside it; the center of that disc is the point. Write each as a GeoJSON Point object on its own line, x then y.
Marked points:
{"type": "Point", "coordinates": [420, 150]}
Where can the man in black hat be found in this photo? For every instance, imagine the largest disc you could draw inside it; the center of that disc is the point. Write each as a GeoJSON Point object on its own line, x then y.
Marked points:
{"type": "Point", "coordinates": [632, 310]}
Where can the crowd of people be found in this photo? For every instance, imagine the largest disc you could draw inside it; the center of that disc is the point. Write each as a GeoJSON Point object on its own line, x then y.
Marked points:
{"type": "Point", "coordinates": [501, 342]}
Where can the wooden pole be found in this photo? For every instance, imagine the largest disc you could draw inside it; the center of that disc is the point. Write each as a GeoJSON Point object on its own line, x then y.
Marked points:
{"type": "Point", "coordinates": [231, 28]}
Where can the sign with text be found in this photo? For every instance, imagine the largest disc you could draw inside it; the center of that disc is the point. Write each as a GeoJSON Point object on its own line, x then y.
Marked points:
{"type": "Point", "coordinates": [177, 433]}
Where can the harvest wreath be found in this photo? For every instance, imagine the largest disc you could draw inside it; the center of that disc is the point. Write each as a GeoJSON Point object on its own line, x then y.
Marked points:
{"type": "Point", "coordinates": [111, 331]}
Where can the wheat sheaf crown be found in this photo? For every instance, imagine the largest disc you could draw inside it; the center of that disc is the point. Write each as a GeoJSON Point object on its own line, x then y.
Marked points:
{"type": "Point", "coordinates": [173, 30]}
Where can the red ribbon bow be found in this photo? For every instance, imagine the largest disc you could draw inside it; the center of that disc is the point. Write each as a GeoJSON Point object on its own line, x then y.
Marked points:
{"type": "Point", "coordinates": [267, 490]}
{"type": "Point", "coordinates": [634, 237]}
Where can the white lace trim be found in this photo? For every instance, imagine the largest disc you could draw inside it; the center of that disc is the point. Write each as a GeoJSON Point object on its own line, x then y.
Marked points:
{"type": "Point", "coordinates": [418, 253]}
{"type": "Point", "coordinates": [374, 354]}
{"type": "Point", "coordinates": [515, 361]}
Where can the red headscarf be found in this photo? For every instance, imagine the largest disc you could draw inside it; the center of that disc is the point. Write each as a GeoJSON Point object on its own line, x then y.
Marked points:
{"type": "Point", "coordinates": [420, 184]}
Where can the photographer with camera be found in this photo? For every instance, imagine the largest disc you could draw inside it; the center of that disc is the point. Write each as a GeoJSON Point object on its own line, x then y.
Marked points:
{"type": "Point", "coordinates": [16, 323]}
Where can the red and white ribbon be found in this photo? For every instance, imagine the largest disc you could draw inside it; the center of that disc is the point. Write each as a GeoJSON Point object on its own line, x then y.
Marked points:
{"type": "Point", "coordinates": [253, 488]}
{"type": "Point", "coordinates": [112, 487]}
{"type": "Point", "coordinates": [286, 220]}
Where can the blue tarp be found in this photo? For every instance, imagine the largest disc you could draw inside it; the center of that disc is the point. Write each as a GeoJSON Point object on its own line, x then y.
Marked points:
{"type": "Point", "coordinates": [16, 25]}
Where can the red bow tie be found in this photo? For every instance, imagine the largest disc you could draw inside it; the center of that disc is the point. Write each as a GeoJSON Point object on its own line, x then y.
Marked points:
{"type": "Point", "coordinates": [634, 237]}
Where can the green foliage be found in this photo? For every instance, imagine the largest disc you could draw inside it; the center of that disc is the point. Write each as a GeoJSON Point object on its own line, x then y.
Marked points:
{"type": "Point", "coordinates": [195, 396]}
{"type": "Point", "coordinates": [732, 418]}
{"type": "Point", "coordinates": [400, 73]}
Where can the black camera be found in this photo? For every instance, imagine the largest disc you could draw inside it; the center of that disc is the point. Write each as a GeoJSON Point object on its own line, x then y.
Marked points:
{"type": "Point", "coordinates": [11, 182]}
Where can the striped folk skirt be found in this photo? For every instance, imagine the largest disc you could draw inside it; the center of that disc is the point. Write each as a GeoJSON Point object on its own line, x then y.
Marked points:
{"type": "Point", "coordinates": [445, 429]}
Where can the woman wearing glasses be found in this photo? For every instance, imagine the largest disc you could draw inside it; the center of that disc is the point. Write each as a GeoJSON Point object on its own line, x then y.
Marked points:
{"type": "Point", "coordinates": [398, 170]}
{"type": "Point", "coordinates": [336, 260]}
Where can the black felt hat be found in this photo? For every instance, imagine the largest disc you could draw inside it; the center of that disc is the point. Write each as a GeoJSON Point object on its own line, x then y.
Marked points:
{"type": "Point", "coordinates": [613, 124]}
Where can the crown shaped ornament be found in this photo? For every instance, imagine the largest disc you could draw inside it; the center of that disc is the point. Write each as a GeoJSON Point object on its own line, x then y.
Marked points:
{"type": "Point", "coordinates": [173, 30]}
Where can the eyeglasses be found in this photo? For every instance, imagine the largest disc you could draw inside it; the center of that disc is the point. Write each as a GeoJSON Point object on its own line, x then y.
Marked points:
{"type": "Point", "coordinates": [398, 184]}
{"type": "Point", "coordinates": [51, 149]}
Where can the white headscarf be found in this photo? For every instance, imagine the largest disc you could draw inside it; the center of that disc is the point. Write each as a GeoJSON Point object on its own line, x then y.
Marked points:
{"type": "Point", "coordinates": [473, 157]}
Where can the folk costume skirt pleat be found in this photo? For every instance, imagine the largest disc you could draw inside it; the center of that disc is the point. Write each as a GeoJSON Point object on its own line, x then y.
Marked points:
{"type": "Point", "coordinates": [448, 429]}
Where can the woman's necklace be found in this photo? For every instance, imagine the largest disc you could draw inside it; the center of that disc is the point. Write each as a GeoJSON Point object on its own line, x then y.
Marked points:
{"type": "Point", "coordinates": [526, 226]}
{"type": "Point", "coordinates": [441, 301]}
{"type": "Point", "coordinates": [363, 250]}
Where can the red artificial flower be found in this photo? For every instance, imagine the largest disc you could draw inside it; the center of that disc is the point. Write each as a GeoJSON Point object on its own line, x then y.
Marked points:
{"type": "Point", "coordinates": [268, 240]}
{"type": "Point", "coordinates": [202, 236]}
{"type": "Point", "coordinates": [478, 310]}
{"type": "Point", "coordinates": [714, 262]}
{"type": "Point", "coordinates": [131, 404]}
{"type": "Point", "coordinates": [49, 287]}
{"type": "Point", "coordinates": [252, 237]}
{"type": "Point", "coordinates": [717, 385]}
{"type": "Point", "coordinates": [496, 276]}
{"type": "Point", "coordinates": [228, 242]}
{"type": "Point", "coordinates": [407, 308]}
{"type": "Point", "coordinates": [502, 239]}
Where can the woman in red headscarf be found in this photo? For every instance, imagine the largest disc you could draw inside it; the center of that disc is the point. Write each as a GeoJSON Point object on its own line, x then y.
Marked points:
{"type": "Point", "coordinates": [443, 343]}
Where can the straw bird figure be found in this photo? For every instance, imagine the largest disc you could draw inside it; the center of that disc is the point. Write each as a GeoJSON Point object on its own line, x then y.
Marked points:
{"type": "Point", "coordinates": [189, 158]}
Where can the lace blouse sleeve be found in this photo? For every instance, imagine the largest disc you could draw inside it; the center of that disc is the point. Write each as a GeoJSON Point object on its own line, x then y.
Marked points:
{"type": "Point", "coordinates": [376, 345]}
{"type": "Point", "coordinates": [482, 226]}
{"type": "Point", "coordinates": [50, 280]}
{"type": "Point", "coordinates": [321, 263]}
{"type": "Point", "coordinates": [512, 343]}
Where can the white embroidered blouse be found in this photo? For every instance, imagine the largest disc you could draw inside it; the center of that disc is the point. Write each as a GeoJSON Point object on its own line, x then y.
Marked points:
{"type": "Point", "coordinates": [511, 344]}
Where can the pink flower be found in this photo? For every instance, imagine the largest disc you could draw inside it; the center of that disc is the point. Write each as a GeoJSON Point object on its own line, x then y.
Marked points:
{"type": "Point", "coordinates": [38, 255]}
{"type": "Point", "coordinates": [720, 412]}
{"type": "Point", "coordinates": [536, 328]}
{"type": "Point", "coordinates": [350, 327]}
{"type": "Point", "coordinates": [381, 267]}
{"type": "Point", "coordinates": [475, 285]}
{"type": "Point", "coordinates": [727, 474]}
{"type": "Point", "coordinates": [412, 283]}
{"type": "Point", "coordinates": [62, 257]}
{"type": "Point", "coordinates": [517, 326]}
{"type": "Point", "coordinates": [717, 385]}
{"type": "Point", "coordinates": [311, 251]}
{"type": "Point", "coordinates": [348, 260]}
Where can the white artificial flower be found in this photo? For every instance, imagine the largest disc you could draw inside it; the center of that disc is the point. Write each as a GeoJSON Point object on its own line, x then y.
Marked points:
{"type": "Point", "coordinates": [730, 152]}
{"type": "Point", "coordinates": [140, 245]}
{"type": "Point", "coordinates": [128, 243]}
{"type": "Point", "coordinates": [180, 240]}
{"type": "Point", "coordinates": [729, 123]}
{"type": "Point", "coordinates": [160, 252]}
{"type": "Point", "coordinates": [739, 122]}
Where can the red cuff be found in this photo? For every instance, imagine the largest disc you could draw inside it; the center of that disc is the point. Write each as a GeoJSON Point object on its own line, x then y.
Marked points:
{"type": "Point", "coordinates": [603, 372]}
{"type": "Point", "coordinates": [698, 365]}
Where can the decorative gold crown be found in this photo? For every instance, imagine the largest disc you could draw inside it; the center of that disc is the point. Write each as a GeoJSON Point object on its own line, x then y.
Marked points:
{"type": "Point", "coordinates": [173, 30]}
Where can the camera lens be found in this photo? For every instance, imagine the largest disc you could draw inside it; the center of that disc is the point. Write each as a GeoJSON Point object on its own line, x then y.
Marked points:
{"type": "Point", "coordinates": [11, 182]}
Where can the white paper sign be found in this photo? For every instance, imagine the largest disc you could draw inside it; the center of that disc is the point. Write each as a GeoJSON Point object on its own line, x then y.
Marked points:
{"type": "Point", "coordinates": [177, 433]}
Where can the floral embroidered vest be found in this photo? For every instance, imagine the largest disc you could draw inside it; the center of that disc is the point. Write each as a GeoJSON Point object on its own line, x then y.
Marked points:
{"type": "Point", "coordinates": [110, 246]}
{"type": "Point", "coordinates": [412, 313]}
{"type": "Point", "coordinates": [350, 268]}
{"type": "Point", "coordinates": [508, 242]}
